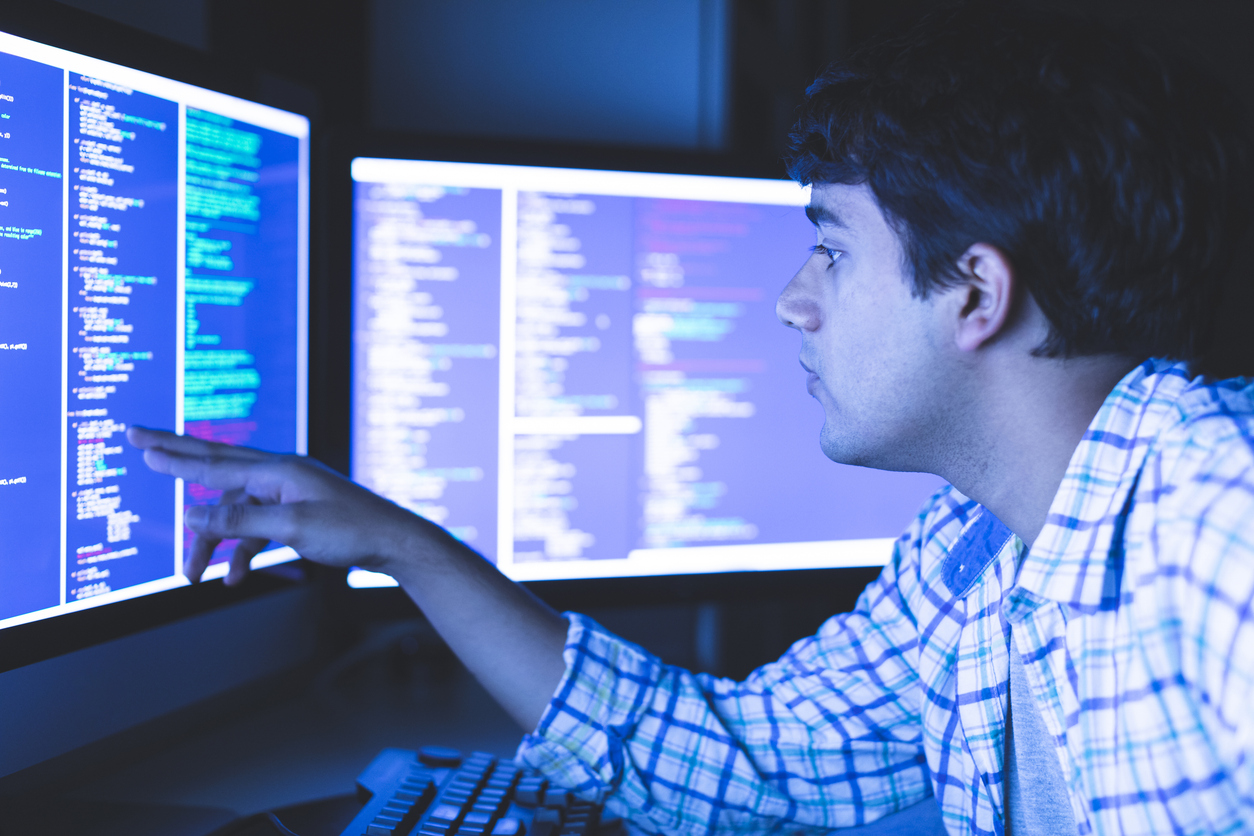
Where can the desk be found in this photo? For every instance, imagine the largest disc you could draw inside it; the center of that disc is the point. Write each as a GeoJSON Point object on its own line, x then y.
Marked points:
{"type": "Point", "coordinates": [306, 747]}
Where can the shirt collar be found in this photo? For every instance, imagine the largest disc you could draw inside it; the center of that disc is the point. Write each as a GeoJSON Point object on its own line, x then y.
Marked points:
{"type": "Point", "coordinates": [1072, 560]}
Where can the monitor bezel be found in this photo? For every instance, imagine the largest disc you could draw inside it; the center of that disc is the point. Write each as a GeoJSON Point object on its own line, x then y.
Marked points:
{"type": "Point", "coordinates": [78, 31]}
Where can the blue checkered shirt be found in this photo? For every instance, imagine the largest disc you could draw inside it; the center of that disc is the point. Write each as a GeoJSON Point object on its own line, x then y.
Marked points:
{"type": "Point", "coordinates": [1132, 612]}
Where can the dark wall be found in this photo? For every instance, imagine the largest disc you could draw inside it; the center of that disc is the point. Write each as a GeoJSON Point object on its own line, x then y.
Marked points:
{"type": "Point", "coordinates": [775, 48]}
{"type": "Point", "coordinates": [185, 21]}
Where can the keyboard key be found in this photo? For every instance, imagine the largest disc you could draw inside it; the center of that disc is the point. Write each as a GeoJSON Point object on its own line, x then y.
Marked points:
{"type": "Point", "coordinates": [546, 814]}
{"type": "Point", "coordinates": [383, 826]}
{"type": "Point", "coordinates": [444, 813]}
{"type": "Point", "coordinates": [509, 826]}
{"type": "Point", "coordinates": [555, 797]}
{"type": "Point", "coordinates": [439, 756]}
{"type": "Point", "coordinates": [530, 792]}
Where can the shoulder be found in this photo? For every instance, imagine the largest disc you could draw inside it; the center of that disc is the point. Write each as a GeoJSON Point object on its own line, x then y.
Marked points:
{"type": "Point", "coordinates": [1200, 468]}
{"type": "Point", "coordinates": [1194, 512]}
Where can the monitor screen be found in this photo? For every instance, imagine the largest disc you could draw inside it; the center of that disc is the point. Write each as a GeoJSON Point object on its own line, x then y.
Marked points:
{"type": "Point", "coordinates": [153, 240]}
{"type": "Point", "coordinates": [580, 374]}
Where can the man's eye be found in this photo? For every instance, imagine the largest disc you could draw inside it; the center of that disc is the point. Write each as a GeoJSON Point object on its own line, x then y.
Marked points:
{"type": "Point", "coordinates": [827, 251]}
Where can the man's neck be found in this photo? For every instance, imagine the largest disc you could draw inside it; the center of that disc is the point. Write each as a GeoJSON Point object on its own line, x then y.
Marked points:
{"type": "Point", "coordinates": [1026, 423]}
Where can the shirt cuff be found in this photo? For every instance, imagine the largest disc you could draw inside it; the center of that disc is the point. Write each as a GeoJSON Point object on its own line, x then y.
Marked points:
{"type": "Point", "coordinates": [580, 740]}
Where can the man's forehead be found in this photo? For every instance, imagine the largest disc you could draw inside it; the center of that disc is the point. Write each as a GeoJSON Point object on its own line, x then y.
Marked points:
{"type": "Point", "coordinates": [842, 207]}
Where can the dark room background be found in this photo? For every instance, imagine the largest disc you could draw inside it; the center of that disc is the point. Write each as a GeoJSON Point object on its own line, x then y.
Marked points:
{"type": "Point", "coordinates": [714, 80]}
{"type": "Point", "coordinates": [712, 75]}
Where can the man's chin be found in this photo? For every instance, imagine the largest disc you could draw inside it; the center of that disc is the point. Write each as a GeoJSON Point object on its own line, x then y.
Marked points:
{"type": "Point", "coordinates": [845, 448]}
{"type": "Point", "coordinates": [842, 449]}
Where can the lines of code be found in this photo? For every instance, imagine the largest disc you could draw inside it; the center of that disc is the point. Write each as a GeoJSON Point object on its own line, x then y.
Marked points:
{"type": "Point", "coordinates": [123, 348]}
{"type": "Point", "coordinates": [31, 127]}
{"type": "Point", "coordinates": [573, 351]}
{"type": "Point", "coordinates": [96, 186]}
{"type": "Point", "coordinates": [426, 366]}
{"type": "Point", "coordinates": [239, 352]}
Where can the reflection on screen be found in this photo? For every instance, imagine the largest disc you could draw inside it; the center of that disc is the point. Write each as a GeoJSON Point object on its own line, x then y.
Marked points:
{"type": "Point", "coordinates": [152, 271]}
{"type": "Point", "coordinates": [580, 373]}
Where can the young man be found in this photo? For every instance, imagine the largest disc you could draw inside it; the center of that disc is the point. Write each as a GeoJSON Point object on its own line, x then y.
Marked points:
{"type": "Point", "coordinates": [1014, 212]}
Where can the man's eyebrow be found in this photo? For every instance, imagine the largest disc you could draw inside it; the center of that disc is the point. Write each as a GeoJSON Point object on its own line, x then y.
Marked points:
{"type": "Point", "coordinates": [819, 215]}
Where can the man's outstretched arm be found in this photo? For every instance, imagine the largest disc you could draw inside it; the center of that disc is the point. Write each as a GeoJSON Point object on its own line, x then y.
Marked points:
{"type": "Point", "coordinates": [510, 641]}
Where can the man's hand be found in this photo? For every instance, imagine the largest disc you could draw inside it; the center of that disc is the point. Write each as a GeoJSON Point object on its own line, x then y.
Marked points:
{"type": "Point", "coordinates": [289, 499]}
{"type": "Point", "coordinates": [510, 640]}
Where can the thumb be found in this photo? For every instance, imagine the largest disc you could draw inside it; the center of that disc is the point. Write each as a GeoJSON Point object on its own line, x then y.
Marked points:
{"type": "Point", "coordinates": [244, 520]}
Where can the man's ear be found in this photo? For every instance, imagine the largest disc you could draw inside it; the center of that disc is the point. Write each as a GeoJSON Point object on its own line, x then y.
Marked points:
{"type": "Point", "coordinates": [986, 294]}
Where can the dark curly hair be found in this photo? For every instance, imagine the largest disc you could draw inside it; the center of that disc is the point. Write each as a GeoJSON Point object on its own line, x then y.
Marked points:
{"type": "Point", "coordinates": [1114, 175]}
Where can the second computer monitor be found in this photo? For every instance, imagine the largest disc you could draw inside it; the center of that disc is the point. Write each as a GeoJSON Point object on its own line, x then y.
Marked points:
{"type": "Point", "coordinates": [580, 373]}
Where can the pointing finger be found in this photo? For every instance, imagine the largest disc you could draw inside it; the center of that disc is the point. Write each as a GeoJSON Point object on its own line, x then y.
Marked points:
{"type": "Point", "coordinates": [187, 445]}
{"type": "Point", "coordinates": [244, 552]}
{"type": "Point", "coordinates": [268, 522]}
{"type": "Point", "coordinates": [199, 556]}
{"type": "Point", "coordinates": [212, 471]}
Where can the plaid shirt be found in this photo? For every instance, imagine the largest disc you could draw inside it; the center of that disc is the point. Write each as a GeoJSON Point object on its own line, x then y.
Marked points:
{"type": "Point", "coordinates": [1132, 612]}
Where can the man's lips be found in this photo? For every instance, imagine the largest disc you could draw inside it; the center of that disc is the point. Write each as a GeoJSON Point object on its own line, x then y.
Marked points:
{"type": "Point", "coordinates": [812, 379]}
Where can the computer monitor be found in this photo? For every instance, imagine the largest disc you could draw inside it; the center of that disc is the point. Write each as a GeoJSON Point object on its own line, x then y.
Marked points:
{"type": "Point", "coordinates": [580, 374]}
{"type": "Point", "coordinates": [153, 270]}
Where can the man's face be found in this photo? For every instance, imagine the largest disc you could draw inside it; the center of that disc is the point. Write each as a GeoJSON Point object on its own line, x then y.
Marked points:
{"type": "Point", "coordinates": [875, 354]}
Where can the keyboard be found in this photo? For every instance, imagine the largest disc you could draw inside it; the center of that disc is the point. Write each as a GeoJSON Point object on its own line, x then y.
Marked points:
{"type": "Point", "coordinates": [441, 792]}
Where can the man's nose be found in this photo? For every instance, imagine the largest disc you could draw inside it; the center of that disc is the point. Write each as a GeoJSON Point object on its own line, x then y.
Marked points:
{"type": "Point", "coordinates": [796, 307]}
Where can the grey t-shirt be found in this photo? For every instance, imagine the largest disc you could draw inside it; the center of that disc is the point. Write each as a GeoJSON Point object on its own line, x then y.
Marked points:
{"type": "Point", "coordinates": [1039, 807]}
{"type": "Point", "coordinates": [1040, 804]}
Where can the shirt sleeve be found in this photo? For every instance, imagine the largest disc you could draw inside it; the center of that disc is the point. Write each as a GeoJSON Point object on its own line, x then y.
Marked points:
{"type": "Point", "coordinates": [827, 736]}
